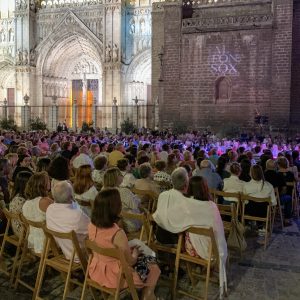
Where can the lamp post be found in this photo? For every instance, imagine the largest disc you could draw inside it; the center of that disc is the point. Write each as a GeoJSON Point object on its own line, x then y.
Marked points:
{"type": "Point", "coordinates": [5, 108]}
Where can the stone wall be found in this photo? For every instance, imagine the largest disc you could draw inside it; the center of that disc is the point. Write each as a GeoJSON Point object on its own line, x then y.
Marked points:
{"type": "Point", "coordinates": [224, 62]}
{"type": "Point", "coordinates": [295, 85]}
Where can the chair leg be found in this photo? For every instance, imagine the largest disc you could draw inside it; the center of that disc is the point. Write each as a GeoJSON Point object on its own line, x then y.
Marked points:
{"type": "Point", "coordinates": [37, 277]}
{"type": "Point", "coordinates": [24, 252]}
{"type": "Point", "coordinates": [190, 273]}
{"type": "Point", "coordinates": [15, 264]}
{"type": "Point", "coordinates": [207, 281]}
{"type": "Point", "coordinates": [39, 280]}
{"type": "Point", "coordinates": [67, 282]}
{"type": "Point", "coordinates": [175, 277]}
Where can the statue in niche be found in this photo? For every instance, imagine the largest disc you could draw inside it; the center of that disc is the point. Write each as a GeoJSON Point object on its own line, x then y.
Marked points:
{"type": "Point", "coordinates": [20, 57]}
{"type": "Point", "coordinates": [11, 35]}
{"type": "Point", "coordinates": [25, 57]}
{"type": "Point", "coordinates": [32, 56]}
{"type": "Point", "coordinates": [115, 53]}
{"type": "Point", "coordinates": [2, 36]}
{"type": "Point", "coordinates": [132, 26]}
{"type": "Point", "coordinates": [142, 26]}
{"type": "Point", "coordinates": [32, 5]}
{"type": "Point", "coordinates": [108, 53]}
{"type": "Point", "coordinates": [223, 89]}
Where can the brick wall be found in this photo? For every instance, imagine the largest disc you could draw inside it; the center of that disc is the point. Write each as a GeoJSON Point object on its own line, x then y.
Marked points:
{"type": "Point", "coordinates": [254, 61]}
{"type": "Point", "coordinates": [295, 84]}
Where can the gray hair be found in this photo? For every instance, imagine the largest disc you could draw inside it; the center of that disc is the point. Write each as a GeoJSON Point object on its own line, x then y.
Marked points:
{"type": "Point", "coordinates": [205, 164]}
{"type": "Point", "coordinates": [62, 192]}
{"type": "Point", "coordinates": [179, 178]}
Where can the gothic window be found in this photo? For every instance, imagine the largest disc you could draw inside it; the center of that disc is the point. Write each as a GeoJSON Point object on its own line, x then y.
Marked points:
{"type": "Point", "coordinates": [222, 89]}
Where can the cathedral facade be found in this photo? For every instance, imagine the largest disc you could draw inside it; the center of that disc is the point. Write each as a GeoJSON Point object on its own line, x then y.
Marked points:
{"type": "Point", "coordinates": [92, 53]}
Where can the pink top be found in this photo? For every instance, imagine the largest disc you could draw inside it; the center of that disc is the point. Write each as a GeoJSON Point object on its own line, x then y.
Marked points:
{"type": "Point", "coordinates": [104, 270]}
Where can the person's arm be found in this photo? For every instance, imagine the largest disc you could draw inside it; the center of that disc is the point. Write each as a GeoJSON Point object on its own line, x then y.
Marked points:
{"type": "Point", "coordinates": [120, 241]}
{"type": "Point", "coordinates": [44, 203]}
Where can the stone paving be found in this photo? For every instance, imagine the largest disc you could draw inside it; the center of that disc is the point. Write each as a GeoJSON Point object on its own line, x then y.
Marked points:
{"type": "Point", "coordinates": [258, 274]}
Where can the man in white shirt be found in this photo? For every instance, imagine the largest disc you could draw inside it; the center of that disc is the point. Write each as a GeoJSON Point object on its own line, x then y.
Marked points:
{"type": "Point", "coordinates": [233, 184]}
{"type": "Point", "coordinates": [65, 215]}
{"type": "Point", "coordinates": [83, 158]}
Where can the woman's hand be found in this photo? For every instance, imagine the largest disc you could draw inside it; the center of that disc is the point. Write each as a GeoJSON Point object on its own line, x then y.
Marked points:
{"type": "Point", "coordinates": [135, 252]}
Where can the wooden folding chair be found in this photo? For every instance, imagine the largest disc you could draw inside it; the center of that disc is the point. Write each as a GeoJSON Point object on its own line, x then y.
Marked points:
{"type": "Point", "coordinates": [267, 219]}
{"type": "Point", "coordinates": [59, 262]}
{"type": "Point", "coordinates": [216, 194]}
{"type": "Point", "coordinates": [148, 199]}
{"type": "Point", "coordinates": [12, 239]}
{"type": "Point", "coordinates": [277, 209]}
{"type": "Point", "coordinates": [29, 253]}
{"type": "Point", "coordinates": [227, 211]}
{"type": "Point", "coordinates": [295, 199]}
{"type": "Point", "coordinates": [124, 276]}
{"type": "Point", "coordinates": [143, 233]}
{"type": "Point", "coordinates": [183, 256]}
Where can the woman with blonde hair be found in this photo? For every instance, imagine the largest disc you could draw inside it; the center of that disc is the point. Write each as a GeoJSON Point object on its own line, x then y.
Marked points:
{"type": "Point", "coordinates": [34, 209]}
{"type": "Point", "coordinates": [84, 188]}
{"type": "Point", "coordinates": [130, 202]}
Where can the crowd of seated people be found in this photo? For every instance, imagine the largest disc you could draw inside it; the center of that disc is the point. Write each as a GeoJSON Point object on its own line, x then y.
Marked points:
{"type": "Point", "coordinates": [83, 182]}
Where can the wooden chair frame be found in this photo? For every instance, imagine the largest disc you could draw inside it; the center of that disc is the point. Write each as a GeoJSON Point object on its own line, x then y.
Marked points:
{"type": "Point", "coordinates": [295, 199]}
{"type": "Point", "coordinates": [182, 256]}
{"type": "Point", "coordinates": [125, 274]}
{"type": "Point", "coordinates": [151, 197]}
{"type": "Point", "coordinates": [59, 262]}
{"type": "Point", "coordinates": [144, 230]}
{"type": "Point", "coordinates": [13, 240]}
{"type": "Point", "coordinates": [217, 194]}
{"type": "Point", "coordinates": [267, 219]}
{"type": "Point", "coordinates": [29, 252]}
{"type": "Point", "coordinates": [277, 209]}
{"type": "Point", "coordinates": [228, 210]}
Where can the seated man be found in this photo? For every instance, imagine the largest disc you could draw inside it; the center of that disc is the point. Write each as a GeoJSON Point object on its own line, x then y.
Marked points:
{"type": "Point", "coordinates": [176, 213]}
{"type": "Point", "coordinates": [65, 215]}
{"type": "Point", "coordinates": [213, 179]}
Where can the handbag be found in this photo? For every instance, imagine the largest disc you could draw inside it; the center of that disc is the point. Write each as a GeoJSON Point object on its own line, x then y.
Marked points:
{"type": "Point", "coordinates": [236, 240]}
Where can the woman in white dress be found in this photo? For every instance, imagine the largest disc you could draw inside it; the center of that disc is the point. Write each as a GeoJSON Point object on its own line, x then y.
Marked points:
{"type": "Point", "coordinates": [84, 188]}
{"type": "Point", "coordinates": [37, 190]}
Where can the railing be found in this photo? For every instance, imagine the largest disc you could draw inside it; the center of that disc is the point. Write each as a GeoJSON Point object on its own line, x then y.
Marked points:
{"type": "Point", "coordinates": [68, 3]}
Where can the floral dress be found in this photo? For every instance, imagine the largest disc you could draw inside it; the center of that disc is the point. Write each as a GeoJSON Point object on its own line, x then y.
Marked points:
{"type": "Point", "coordinates": [15, 206]}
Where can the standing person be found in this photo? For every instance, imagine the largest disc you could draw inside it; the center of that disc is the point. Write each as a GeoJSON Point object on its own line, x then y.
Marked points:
{"type": "Point", "coordinates": [105, 232]}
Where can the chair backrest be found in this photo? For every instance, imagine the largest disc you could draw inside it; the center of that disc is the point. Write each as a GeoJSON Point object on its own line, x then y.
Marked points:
{"type": "Point", "coordinates": [71, 236]}
{"type": "Point", "coordinates": [83, 203]}
{"type": "Point", "coordinates": [10, 216]}
{"type": "Point", "coordinates": [216, 194]}
{"type": "Point", "coordinates": [141, 217]}
{"type": "Point", "coordinates": [254, 199]}
{"type": "Point", "coordinates": [164, 185]}
{"type": "Point", "coordinates": [125, 270]}
{"type": "Point", "coordinates": [148, 198]}
{"type": "Point", "coordinates": [228, 210]}
{"type": "Point", "coordinates": [207, 232]}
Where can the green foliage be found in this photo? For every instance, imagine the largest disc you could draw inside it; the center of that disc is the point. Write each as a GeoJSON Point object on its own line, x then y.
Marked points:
{"type": "Point", "coordinates": [8, 124]}
{"type": "Point", "coordinates": [127, 126]}
{"type": "Point", "coordinates": [37, 124]}
{"type": "Point", "coordinates": [87, 127]}
{"type": "Point", "coordinates": [180, 127]}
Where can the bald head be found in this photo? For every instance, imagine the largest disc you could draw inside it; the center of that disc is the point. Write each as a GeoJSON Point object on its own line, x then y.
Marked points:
{"type": "Point", "coordinates": [62, 192]}
{"type": "Point", "coordinates": [205, 164]}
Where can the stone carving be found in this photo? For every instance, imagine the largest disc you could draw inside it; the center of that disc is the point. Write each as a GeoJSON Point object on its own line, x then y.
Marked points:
{"type": "Point", "coordinates": [32, 57]}
{"type": "Point", "coordinates": [108, 53]}
{"type": "Point", "coordinates": [132, 26]}
{"type": "Point", "coordinates": [142, 26]}
{"type": "Point", "coordinates": [32, 5]}
{"type": "Point", "coordinates": [226, 22]}
{"type": "Point", "coordinates": [22, 58]}
{"type": "Point", "coordinates": [25, 57]}
{"type": "Point", "coordinates": [11, 35]}
{"type": "Point", "coordinates": [19, 57]}
{"type": "Point", "coordinates": [2, 36]}
{"type": "Point", "coordinates": [21, 4]}
{"type": "Point", "coordinates": [115, 53]}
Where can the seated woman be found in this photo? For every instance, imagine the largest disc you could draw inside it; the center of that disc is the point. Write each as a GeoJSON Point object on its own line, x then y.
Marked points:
{"type": "Point", "coordinates": [146, 183]}
{"type": "Point", "coordinates": [23, 164]}
{"type": "Point", "coordinates": [130, 202]}
{"type": "Point", "coordinates": [59, 170]}
{"type": "Point", "coordinates": [100, 163]}
{"type": "Point", "coordinates": [125, 168]}
{"type": "Point", "coordinates": [84, 188]}
{"type": "Point", "coordinates": [18, 198]}
{"type": "Point", "coordinates": [34, 209]}
{"type": "Point", "coordinates": [187, 159]}
{"type": "Point", "coordinates": [105, 232]}
{"type": "Point", "coordinates": [259, 188]}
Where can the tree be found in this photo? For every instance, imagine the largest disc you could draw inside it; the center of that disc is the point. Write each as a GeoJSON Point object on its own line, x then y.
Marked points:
{"type": "Point", "coordinates": [37, 124]}
{"type": "Point", "coordinates": [8, 124]}
{"type": "Point", "coordinates": [128, 127]}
